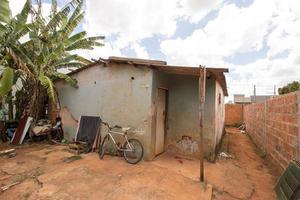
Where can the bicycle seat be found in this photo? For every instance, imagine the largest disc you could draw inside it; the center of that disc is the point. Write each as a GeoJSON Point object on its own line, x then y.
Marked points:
{"type": "Point", "coordinates": [126, 129]}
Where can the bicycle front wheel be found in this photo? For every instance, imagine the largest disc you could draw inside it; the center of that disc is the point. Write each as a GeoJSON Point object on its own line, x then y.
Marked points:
{"type": "Point", "coordinates": [133, 151]}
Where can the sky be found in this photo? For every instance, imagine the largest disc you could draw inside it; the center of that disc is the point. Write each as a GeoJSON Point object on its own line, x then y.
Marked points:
{"type": "Point", "coordinates": [257, 40]}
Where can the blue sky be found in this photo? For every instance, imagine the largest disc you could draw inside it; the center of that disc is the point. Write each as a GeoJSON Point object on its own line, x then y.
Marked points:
{"type": "Point", "coordinates": [257, 40]}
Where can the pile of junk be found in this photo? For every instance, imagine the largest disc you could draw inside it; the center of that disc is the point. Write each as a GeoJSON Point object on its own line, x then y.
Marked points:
{"type": "Point", "coordinates": [26, 129]}
{"type": "Point", "coordinates": [87, 137]}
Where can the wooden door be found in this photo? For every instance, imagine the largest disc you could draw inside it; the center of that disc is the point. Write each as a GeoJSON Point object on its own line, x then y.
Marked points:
{"type": "Point", "coordinates": [160, 120]}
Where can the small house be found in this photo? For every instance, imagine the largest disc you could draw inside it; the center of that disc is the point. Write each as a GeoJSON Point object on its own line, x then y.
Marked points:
{"type": "Point", "coordinates": [159, 101]}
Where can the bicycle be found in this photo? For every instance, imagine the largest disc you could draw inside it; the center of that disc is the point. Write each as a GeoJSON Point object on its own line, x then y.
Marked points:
{"type": "Point", "coordinates": [132, 149]}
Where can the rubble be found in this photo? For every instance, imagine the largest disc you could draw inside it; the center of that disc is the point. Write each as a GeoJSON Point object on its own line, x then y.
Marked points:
{"type": "Point", "coordinates": [9, 153]}
{"type": "Point", "coordinates": [225, 155]}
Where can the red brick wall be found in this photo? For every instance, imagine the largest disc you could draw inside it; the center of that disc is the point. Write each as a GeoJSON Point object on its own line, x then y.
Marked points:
{"type": "Point", "coordinates": [274, 127]}
{"type": "Point", "coordinates": [233, 114]}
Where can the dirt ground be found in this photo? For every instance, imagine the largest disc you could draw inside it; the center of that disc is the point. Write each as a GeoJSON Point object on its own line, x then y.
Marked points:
{"type": "Point", "coordinates": [43, 171]}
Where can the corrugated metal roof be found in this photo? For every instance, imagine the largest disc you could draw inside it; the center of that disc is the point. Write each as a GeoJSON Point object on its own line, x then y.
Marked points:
{"type": "Point", "coordinates": [218, 73]}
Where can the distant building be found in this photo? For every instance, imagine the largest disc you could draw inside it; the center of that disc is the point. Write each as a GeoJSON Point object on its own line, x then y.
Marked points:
{"type": "Point", "coordinates": [260, 98]}
{"type": "Point", "coordinates": [242, 99]}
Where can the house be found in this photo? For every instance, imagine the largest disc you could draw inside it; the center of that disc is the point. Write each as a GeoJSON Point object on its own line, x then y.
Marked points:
{"type": "Point", "coordinates": [260, 98]}
{"type": "Point", "coordinates": [242, 99]}
{"type": "Point", "coordinates": [159, 101]}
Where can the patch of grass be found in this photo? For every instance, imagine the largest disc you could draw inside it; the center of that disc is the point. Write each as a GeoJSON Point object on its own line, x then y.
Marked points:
{"type": "Point", "coordinates": [261, 153]}
{"type": "Point", "coordinates": [72, 158]}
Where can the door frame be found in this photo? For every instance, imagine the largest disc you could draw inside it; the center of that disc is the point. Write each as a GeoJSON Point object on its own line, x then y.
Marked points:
{"type": "Point", "coordinates": [166, 117]}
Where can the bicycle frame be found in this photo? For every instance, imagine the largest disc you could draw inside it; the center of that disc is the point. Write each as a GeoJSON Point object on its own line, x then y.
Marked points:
{"type": "Point", "coordinates": [115, 143]}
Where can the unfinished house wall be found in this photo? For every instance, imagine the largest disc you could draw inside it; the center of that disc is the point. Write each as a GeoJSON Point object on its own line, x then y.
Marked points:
{"type": "Point", "coordinates": [120, 94]}
{"type": "Point", "coordinates": [219, 114]}
{"type": "Point", "coordinates": [183, 115]}
{"type": "Point", "coordinates": [233, 114]}
{"type": "Point", "coordinates": [274, 125]}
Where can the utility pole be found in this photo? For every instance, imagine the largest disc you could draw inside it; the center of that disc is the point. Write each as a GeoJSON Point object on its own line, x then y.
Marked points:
{"type": "Point", "coordinates": [274, 89]}
{"type": "Point", "coordinates": [202, 83]}
{"type": "Point", "coordinates": [254, 94]}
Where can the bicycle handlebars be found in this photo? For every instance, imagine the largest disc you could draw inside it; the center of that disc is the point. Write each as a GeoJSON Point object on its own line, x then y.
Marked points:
{"type": "Point", "coordinates": [110, 128]}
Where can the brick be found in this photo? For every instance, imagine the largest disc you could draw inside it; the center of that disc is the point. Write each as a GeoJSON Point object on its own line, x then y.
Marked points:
{"type": "Point", "coordinates": [233, 114]}
{"type": "Point", "coordinates": [293, 130]}
{"type": "Point", "coordinates": [278, 130]}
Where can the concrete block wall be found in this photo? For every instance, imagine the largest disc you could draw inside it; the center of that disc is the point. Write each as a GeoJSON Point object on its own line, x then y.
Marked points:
{"type": "Point", "coordinates": [233, 114]}
{"type": "Point", "coordinates": [274, 126]}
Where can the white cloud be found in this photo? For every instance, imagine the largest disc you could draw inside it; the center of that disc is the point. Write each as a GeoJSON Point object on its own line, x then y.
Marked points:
{"type": "Point", "coordinates": [103, 52]}
{"type": "Point", "coordinates": [134, 20]}
{"type": "Point", "coordinates": [244, 30]}
{"type": "Point", "coordinates": [235, 30]}
{"type": "Point", "coordinates": [140, 51]}
{"type": "Point", "coordinates": [264, 73]}
{"type": "Point", "coordinates": [285, 35]}
{"type": "Point", "coordinates": [195, 10]}
{"type": "Point", "coordinates": [16, 6]}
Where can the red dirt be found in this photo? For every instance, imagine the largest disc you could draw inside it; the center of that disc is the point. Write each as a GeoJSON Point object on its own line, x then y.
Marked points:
{"type": "Point", "coordinates": [246, 176]}
{"type": "Point", "coordinates": [43, 174]}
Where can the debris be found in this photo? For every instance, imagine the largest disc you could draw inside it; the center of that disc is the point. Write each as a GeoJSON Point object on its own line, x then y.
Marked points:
{"type": "Point", "coordinates": [180, 161]}
{"type": "Point", "coordinates": [78, 147]}
{"type": "Point", "coordinates": [72, 158]}
{"type": "Point", "coordinates": [6, 187]}
{"type": "Point", "coordinates": [42, 127]}
{"type": "Point", "coordinates": [224, 155]}
{"type": "Point", "coordinates": [64, 141]}
{"type": "Point", "coordinates": [242, 127]}
{"type": "Point", "coordinates": [9, 153]}
{"type": "Point", "coordinates": [187, 145]}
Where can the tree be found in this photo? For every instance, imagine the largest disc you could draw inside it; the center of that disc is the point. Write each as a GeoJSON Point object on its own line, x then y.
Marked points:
{"type": "Point", "coordinates": [51, 45]}
{"type": "Point", "coordinates": [290, 87]}
{"type": "Point", "coordinates": [11, 30]}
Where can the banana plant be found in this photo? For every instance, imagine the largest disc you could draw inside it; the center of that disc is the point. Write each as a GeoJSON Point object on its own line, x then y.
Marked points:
{"type": "Point", "coordinates": [51, 44]}
{"type": "Point", "coordinates": [11, 30]}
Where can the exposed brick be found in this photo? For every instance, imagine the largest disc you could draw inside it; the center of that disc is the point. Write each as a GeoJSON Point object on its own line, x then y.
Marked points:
{"type": "Point", "coordinates": [233, 114]}
{"type": "Point", "coordinates": [273, 126]}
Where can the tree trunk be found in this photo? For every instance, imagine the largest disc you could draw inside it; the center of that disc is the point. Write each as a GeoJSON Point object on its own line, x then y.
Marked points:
{"type": "Point", "coordinates": [10, 106]}
{"type": "Point", "coordinates": [38, 103]}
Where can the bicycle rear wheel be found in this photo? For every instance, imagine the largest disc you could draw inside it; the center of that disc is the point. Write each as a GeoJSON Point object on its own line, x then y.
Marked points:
{"type": "Point", "coordinates": [102, 147]}
{"type": "Point", "coordinates": [135, 154]}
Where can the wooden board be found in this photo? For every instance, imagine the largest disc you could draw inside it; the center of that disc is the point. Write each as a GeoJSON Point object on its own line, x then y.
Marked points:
{"type": "Point", "coordinates": [87, 129]}
{"type": "Point", "coordinates": [27, 125]}
{"type": "Point", "coordinates": [19, 132]}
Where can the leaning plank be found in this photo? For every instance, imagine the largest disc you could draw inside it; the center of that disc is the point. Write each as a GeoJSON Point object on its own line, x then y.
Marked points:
{"type": "Point", "coordinates": [19, 132]}
{"type": "Point", "coordinates": [27, 125]}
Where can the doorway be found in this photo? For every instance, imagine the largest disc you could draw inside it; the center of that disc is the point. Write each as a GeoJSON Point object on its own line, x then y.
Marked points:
{"type": "Point", "coordinates": [161, 101]}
